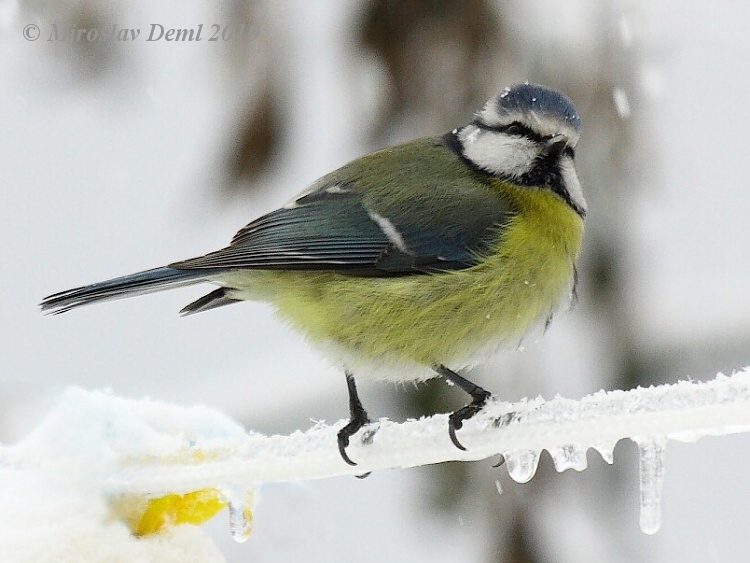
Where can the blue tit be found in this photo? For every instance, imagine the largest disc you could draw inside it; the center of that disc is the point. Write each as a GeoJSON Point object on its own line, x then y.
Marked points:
{"type": "Point", "coordinates": [429, 254]}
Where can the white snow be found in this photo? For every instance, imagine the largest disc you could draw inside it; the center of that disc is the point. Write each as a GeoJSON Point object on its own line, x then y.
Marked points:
{"type": "Point", "coordinates": [622, 102]}
{"type": "Point", "coordinates": [93, 447]}
{"type": "Point", "coordinates": [626, 32]}
{"type": "Point", "coordinates": [52, 502]}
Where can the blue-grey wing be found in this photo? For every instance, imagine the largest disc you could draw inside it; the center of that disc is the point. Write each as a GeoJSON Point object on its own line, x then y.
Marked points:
{"type": "Point", "coordinates": [344, 230]}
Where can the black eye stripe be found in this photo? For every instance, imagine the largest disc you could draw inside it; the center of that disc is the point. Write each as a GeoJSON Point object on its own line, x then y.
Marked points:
{"type": "Point", "coordinates": [516, 128]}
{"type": "Point", "coordinates": [519, 129]}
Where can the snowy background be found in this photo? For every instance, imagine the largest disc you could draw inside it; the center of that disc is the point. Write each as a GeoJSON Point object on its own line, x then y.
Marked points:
{"type": "Point", "coordinates": [114, 160]}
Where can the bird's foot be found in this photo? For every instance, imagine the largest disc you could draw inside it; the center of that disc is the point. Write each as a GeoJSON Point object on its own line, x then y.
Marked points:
{"type": "Point", "coordinates": [456, 419]}
{"type": "Point", "coordinates": [355, 425]}
{"type": "Point", "coordinates": [479, 398]}
{"type": "Point", "coordinates": [357, 419]}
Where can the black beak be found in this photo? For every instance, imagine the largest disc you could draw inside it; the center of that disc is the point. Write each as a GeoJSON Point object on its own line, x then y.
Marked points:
{"type": "Point", "coordinates": [555, 146]}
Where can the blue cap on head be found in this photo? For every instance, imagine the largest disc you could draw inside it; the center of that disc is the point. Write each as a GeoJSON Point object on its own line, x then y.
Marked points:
{"type": "Point", "coordinates": [522, 98]}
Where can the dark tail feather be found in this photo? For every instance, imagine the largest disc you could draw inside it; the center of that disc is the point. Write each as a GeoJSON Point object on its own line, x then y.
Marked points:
{"type": "Point", "coordinates": [217, 298]}
{"type": "Point", "coordinates": [141, 283]}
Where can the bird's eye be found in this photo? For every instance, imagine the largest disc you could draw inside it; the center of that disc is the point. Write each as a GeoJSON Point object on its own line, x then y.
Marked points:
{"type": "Point", "coordinates": [569, 151]}
{"type": "Point", "coordinates": [516, 128]}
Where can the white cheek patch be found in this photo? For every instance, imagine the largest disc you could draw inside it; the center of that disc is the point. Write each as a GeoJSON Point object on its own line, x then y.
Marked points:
{"type": "Point", "coordinates": [571, 182]}
{"type": "Point", "coordinates": [498, 153]}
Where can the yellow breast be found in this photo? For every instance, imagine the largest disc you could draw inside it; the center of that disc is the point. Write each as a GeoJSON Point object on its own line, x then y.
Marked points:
{"type": "Point", "coordinates": [445, 317]}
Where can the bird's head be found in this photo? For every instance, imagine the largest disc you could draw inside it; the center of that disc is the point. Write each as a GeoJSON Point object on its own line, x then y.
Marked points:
{"type": "Point", "coordinates": [527, 135]}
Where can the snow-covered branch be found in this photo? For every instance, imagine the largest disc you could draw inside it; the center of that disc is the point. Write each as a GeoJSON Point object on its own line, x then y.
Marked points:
{"type": "Point", "coordinates": [124, 447]}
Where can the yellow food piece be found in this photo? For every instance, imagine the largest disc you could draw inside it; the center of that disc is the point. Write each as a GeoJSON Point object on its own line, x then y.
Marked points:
{"type": "Point", "coordinates": [148, 516]}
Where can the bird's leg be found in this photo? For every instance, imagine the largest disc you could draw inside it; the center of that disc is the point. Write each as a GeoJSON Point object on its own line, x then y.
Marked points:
{"type": "Point", "coordinates": [357, 418]}
{"type": "Point", "coordinates": [478, 399]}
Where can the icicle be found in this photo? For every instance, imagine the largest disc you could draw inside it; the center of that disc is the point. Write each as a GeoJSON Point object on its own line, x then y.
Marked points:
{"type": "Point", "coordinates": [239, 503]}
{"type": "Point", "coordinates": [652, 453]}
{"type": "Point", "coordinates": [521, 464]}
{"type": "Point", "coordinates": [569, 457]}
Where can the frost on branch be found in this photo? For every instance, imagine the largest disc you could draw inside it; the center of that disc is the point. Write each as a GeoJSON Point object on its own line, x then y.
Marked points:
{"type": "Point", "coordinates": [99, 444]}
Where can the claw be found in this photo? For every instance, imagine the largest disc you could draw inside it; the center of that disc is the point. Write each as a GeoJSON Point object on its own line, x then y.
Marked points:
{"type": "Point", "coordinates": [452, 427]}
{"type": "Point", "coordinates": [456, 420]}
{"type": "Point", "coordinates": [343, 439]}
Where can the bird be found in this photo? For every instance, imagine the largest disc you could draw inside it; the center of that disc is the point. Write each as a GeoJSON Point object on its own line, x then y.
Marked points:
{"type": "Point", "coordinates": [415, 261]}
